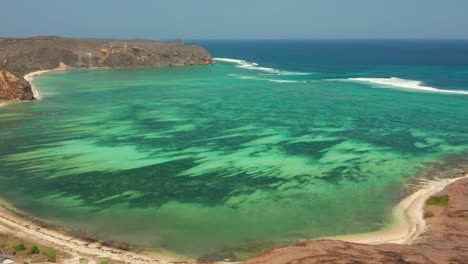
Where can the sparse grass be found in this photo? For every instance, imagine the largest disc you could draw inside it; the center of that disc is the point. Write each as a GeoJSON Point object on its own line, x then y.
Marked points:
{"type": "Point", "coordinates": [104, 262]}
{"type": "Point", "coordinates": [438, 200]}
{"type": "Point", "coordinates": [428, 214]}
{"type": "Point", "coordinates": [84, 261]}
{"type": "Point", "coordinates": [24, 252]}
{"type": "Point", "coordinates": [53, 255]}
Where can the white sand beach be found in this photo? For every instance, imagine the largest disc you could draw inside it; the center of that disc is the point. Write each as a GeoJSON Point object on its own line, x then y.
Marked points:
{"type": "Point", "coordinates": [409, 224]}
{"type": "Point", "coordinates": [408, 218]}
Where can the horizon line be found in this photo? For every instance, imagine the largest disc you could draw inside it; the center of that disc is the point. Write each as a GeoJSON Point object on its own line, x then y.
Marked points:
{"type": "Point", "coordinates": [240, 39]}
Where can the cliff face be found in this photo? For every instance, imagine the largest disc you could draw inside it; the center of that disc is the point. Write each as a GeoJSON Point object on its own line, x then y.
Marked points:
{"type": "Point", "coordinates": [13, 88]}
{"type": "Point", "coordinates": [445, 241]}
{"type": "Point", "coordinates": [21, 56]}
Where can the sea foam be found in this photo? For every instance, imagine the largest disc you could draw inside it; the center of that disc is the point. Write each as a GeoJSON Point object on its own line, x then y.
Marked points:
{"type": "Point", "coordinates": [250, 77]}
{"type": "Point", "coordinates": [281, 81]}
{"type": "Point", "coordinates": [255, 66]}
{"type": "Point", "coordinates": [408, 84]}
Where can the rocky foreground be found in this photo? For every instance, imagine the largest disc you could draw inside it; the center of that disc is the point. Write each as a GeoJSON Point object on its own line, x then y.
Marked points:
{"type": "Point", "coordinates": [21, 56]}
{"type": "Point", "coordinates": [445, 241]}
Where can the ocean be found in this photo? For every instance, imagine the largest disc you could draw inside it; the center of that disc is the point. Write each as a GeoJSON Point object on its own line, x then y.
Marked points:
{"type": "Point", "coordinates": [280, 141]}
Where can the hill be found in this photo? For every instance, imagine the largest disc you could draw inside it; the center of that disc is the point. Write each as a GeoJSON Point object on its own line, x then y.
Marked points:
{"type": "Point", "coordinates": [19, 56]}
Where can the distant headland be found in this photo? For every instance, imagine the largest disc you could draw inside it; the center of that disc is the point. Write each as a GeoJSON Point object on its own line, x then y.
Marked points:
{"type": "Point", "coordinates": [20, 56]}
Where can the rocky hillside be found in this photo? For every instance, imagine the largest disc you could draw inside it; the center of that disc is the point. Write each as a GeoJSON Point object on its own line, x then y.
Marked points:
{"type": "Point", "coordinates": [21, 56]}
{"type": "Point", "coordinates": [13, 88]}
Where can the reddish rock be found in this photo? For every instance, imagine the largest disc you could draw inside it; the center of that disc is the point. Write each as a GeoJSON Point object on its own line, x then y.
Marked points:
{"type": "Point", "coordinates": [13, 88]}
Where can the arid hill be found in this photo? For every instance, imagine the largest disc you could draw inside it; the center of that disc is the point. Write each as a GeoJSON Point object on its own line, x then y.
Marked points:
{"type": "Point", "coordinates": [21, 56]}
{"type": "Point", "coordinates": [13, 88]}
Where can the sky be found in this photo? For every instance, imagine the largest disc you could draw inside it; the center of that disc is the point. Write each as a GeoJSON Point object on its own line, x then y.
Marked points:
{"type": "Point", "coordinates": [235, 19]}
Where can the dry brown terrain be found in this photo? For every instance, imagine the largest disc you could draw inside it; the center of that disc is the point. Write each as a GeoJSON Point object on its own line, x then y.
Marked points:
{"type": "Point", "coordinates": [13, 88]}
{"type": "Point", "coordinates": [19, 57]}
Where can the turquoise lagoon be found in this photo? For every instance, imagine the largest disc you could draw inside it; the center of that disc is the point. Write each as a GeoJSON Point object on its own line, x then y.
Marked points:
{"type": "Point", "coordinates": [221, 161]}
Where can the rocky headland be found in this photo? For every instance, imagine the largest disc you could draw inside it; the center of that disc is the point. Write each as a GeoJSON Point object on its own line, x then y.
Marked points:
{"type": "Point", "coordinates": [19, 57]}
{"type": "Point", "coordinates": [14, 88]}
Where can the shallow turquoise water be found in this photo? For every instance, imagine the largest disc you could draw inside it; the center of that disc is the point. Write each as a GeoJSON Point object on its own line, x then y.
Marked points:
{"type": "Point", "coordinates": [220, 159]}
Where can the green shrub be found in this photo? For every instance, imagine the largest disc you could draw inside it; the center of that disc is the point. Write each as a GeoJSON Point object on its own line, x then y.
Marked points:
{"type": "Point", "coordinates": [52, 255]}
{"type": "Point", "coordinates": [438, 200]}
{"type": "Point", "coordinates": [19, 247]}
{"type": "Point", "coordinates": [104, 262]}
{"type": "Point", "coordinates": [428, 214]}
{"type": "Point", "coordinates": [84, 261]}
{"type": "Point", "coordinates": [34, 250]}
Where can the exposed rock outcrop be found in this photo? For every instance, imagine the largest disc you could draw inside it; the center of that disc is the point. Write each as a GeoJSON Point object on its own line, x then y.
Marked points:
{"type": "Point", "coordinates": [13, 88]}
{"type": "Point", "coordinates": [445, 241]}
{"type": "Point", "coordinates": [22, 56]}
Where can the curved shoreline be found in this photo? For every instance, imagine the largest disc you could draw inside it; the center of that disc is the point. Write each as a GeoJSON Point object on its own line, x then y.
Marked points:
{"type": "Point", "coordinates": [14, 222]}
{"type": "Point", "coordinates": [30, 77]}
{"type": "Point", "coordinates": [76, 247]}
{"type": "Point", "coordinates": [408, 222]}
{"type": "Point", "coordinates": [409, 217]}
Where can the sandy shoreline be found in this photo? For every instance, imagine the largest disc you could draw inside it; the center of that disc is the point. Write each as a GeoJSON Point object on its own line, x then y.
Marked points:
{"type": "Point", "coordinates": [30, 77]}
{"type": "Point", "coordinates": [408, 214]}
{"type": "Point", "coordinates": [408, 223]}
{"type": "Point", "coordinates": [14, 224]}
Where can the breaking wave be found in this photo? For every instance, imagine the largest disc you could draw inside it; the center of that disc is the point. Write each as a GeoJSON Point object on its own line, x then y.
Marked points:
{"type": "Point", "coordinates": [249, 77]}
{"type": "Point", "coordinates": [255, 66]}
{"type": "Point", "coordinates": [408, 84]}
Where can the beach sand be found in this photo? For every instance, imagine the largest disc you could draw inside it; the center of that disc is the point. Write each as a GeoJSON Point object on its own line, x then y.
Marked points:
{"type": "Point", "coordinates": [30, 77]}
{"type": "Point", "coordinates": [443, 241]}
{"type": "Point", "coordinates": [78, 248]}
{"type": "Point", "coordinates": [12, 223]}
{"type": "Point", "coordinates": [408, 222]}
{"type": "Point", "coordinates": [409, 215]}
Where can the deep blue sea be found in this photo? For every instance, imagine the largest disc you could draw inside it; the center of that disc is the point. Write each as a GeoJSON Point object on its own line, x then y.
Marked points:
{"type": "Point", "coordinates": [438, 63]}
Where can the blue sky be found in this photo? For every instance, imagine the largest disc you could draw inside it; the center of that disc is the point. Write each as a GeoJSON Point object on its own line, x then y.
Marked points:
{"type": "Point", "coordinates": [236, 19]}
